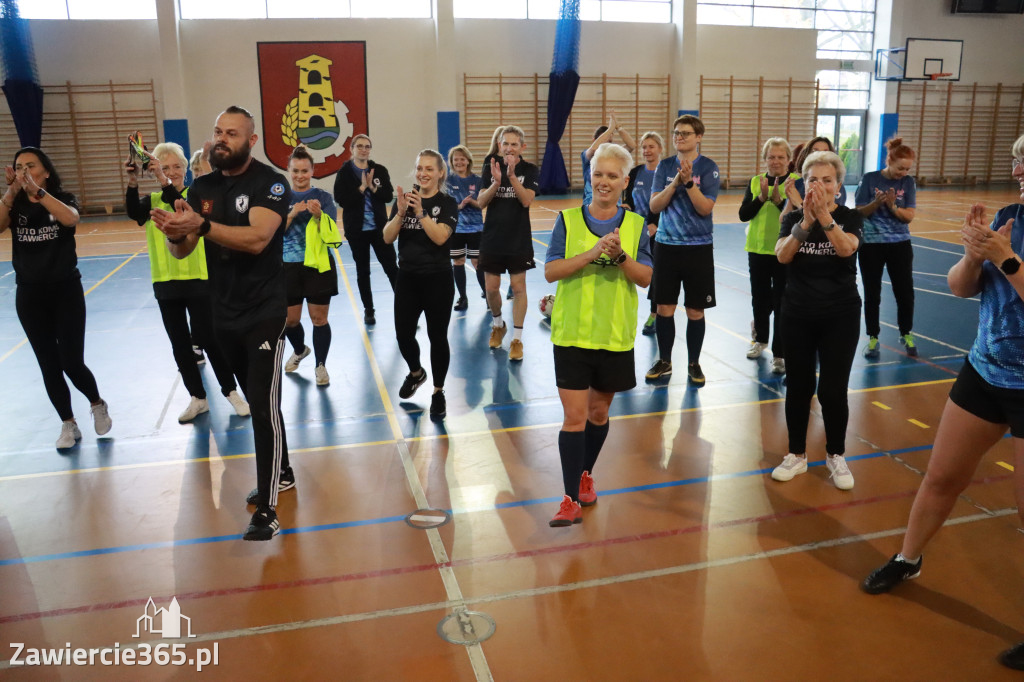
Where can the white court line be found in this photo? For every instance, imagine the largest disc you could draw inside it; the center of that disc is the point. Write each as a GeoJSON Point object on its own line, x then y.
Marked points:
{"type": "Point", "coordinates": [928, 338]}
{"type": "Point", "coordinates": [932, 248]}
{"type": "Point", "coordinates": [561, 588]}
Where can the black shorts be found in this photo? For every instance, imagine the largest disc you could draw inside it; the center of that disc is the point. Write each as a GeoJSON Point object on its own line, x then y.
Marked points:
{"type": "Point", "coordinates": [608, 371]}
{"type": "Point", "coordinates": [513, 264]}
{"type": "Point", "coordinates": [693, 267]}
{"type": "Point", "coordinates": [465, 244]}
{"type": "Point", "coordinates": [304, 283]}
{"type": "Point", "coordinates": [985, 401]}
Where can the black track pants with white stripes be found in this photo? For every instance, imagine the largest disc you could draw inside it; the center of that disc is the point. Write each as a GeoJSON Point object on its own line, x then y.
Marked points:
{"type": "Point", "coordinates": [255, 354]}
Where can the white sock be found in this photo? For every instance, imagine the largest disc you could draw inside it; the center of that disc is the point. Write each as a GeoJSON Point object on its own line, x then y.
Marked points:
{"type": "Point", "coordinates": [496, 322]}
{"type": "Point", "coordinates": [900, 557]}
{"type": "Point", "coordinates": [517, 333]}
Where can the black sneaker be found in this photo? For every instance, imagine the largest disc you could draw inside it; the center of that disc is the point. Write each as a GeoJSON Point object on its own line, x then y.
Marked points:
{"type": "Point", "coordinates": [438, 406]}
{"type": "Point", "coordinates": [696, 376]}
{"type": "Point", "coordinates": [285, 482]}
{"type": "Point", "coordinates": [264, 524]}
{"type": "Point", "coordinates": [1013, 658]}
{"type": "Point", "coordinates": [461, 304]}
{"type": "Point", "coordinates": [661, 368]}
{"type": "Point", "coordinates": [892, 574]}
{"type": "Point", "coordinates": [411, 383]}
{"type": "Point", "coordinates": [368, 317]}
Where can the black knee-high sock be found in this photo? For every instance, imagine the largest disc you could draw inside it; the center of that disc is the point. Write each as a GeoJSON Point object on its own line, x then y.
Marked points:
{"type": "Point", "coordinates": [694, 339]}
{"type": "Point", "coordinates": [665, 329]}
{"type": "Point", "coordinates": [296, 336]}
{"type": "Point", "coordinates": [572, 447]}
{"type": "Point", "coordinates": [460, 279]}
{"type": "Point", "coordinates": [480, 279]}
{"type": "Point", "coordinates": [595, 435]}
{"type": "Point", "coordinates": [321, 342]}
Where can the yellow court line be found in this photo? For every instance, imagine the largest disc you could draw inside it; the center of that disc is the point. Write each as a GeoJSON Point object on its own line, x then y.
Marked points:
{"type": "Point", "coordinates": [917, 423]}
{"type": "Point", "coordinates": [1005, 465]}
{"type": "Point", "coordinates": [881, 405]}
{"type": "Point", "coordinates": [89, 291]}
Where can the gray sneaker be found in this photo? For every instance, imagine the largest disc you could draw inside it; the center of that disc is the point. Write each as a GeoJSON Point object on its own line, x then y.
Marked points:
{"type": "Point", "coordinates": [69, 435]}
{"type": "Point", "coordinates": [101, 418]}
{"type": "Point", "coordinates": [792, 465]}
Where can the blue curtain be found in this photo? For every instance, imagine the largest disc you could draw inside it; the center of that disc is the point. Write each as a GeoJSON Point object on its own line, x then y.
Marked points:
{"type": "Point", "coordinates": [21, 84]}
{"type": "Point", "coordinates": [561, 94]}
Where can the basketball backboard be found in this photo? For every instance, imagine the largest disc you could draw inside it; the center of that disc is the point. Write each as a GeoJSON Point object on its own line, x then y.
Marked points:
{"type": "Point", "coordinates": [932, 59]}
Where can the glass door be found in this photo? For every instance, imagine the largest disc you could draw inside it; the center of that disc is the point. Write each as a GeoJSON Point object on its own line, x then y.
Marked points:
{"type": "Point", "coordinates": [846, 130]}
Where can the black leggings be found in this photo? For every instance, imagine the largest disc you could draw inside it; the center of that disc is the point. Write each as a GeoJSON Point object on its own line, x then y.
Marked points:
{"type": "Point", "coordinates": [431, 294]}
{"type": "Point", "coordinates": [898, 259]}
{"type": "Point", "coordinates": [831, 343]}
{"type": "Point", "coordinates": [53, 316]}
{"type": "Point", "coordinates": [767, 284]}
{"type": "Point", "coordinates": [360, 243]}
{"type": "Point", "coordinates": [254, 354]}
{"type": "Point", "coordinates": [176, 313]}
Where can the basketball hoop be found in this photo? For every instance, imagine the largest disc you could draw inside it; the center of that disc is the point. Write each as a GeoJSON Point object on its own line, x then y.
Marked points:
{"type": "Point", "coordinates": [937, 76]}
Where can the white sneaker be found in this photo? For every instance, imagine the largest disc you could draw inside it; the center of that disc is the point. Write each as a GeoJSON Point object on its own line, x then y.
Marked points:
{"type": "Point", "coordinates": [69, 434]}
{"type": "Point", "coordinates": [238, 402]}
{"type": "Point", "coordinates": [196, 406]}
{"type": "Point", "coordinates": [322, 377]}
{"type": "Point", "coordinates": [293, 362]}
{"type": "Point", "coordinates": [792, 465]}
{"type": "Point", "coordinates": [778, 366]}
{"type": "Point", "coordinates": [101, 418]}
{"type": "Point", "coordinates": [841, 475]}
{"type": "Point", "coordinates": [755, 350]}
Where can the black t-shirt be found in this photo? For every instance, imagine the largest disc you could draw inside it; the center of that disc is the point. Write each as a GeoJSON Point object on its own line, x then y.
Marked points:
{"type": "Point", "coordinates": [820, 283]}
{"type": "Point", "coordinates": [417, 252]}
{"type": "Point", "coordinates": [507, 229]}
{"type": "Point", "coordinates": [42, 250]}
{"type": "Point", "coordinates": [245, 288]}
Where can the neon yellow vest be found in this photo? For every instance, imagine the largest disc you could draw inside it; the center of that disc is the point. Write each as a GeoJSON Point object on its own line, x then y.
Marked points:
{"type": "Point", "coordinates": [162, 265]}
{"type": "Point", "coordinates": [596, 306]}
{"type": "Point", "coordinates": [319, 235]}
{"type": "Point", "coordinates": [764, 228]}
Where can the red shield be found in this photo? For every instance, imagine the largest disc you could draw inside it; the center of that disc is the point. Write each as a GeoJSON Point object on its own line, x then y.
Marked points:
{"type": "Point", "coordinates": [312, 94]}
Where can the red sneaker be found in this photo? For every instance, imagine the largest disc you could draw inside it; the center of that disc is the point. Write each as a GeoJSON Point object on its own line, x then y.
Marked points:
{"type": "Point", "coordinates": [569, 512]}
{"type": "Point", "coordinates": [588, 496]}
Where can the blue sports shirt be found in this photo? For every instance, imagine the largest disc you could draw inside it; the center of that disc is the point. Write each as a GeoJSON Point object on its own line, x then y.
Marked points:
{"type": "Point", "coordinates": [680, 224]}
{"type": "Point", "coordinates": [471, 218]}
{"type": "Point", "coordinates": [882, 227]}
{"type": "Point", "coordinates": [295, 234]}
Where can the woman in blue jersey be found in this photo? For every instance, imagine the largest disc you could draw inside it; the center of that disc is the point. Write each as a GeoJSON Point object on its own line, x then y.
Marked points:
{"type": "Point", "coordinates": [762, 205]}
{"type": "Point", "coordinates": [988, 395]}
{"type": "Point", "coordinates": [181, 287]}
{"type": "Point", "coordinates": [638, 199]}
{"type": "Point", "coordinates": [887, 200]}
{"type": "Point", "coordinates": [309, 268]}
{"type": "Point", "coordinates": [598, 254]}
{"type": "Point", "coordinates": [464, 186]}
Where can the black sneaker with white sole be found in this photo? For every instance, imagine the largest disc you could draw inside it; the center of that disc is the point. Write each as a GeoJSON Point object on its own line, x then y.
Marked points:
{"type": "Point", "coordinates": [411, 383]}
{"type": "Point", "coordinates": [285, 482]}
{"type": "Point", "coordinates": [891, 574]}
{"type": "Point", "coordinates": [661, 368]}
{"type": "Point", "coordinates": [438, 406]}
{"type": "Point", "coordinates": [263, 525]}
{"type": "Point", "coordinates": [695, 375]}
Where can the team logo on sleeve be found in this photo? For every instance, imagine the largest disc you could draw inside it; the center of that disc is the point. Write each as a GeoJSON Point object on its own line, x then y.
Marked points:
{"type": "Point", "coordinates": [242, 203]}
{"type": "Point", "coordinates": [314, 94]}
{"type": "Point", "coordinates": [277, 189]}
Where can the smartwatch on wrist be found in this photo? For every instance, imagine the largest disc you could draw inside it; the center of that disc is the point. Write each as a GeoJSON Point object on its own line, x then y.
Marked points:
{"type": "Point", "coordinates": [689, 184]}
{"type": "Point", "coordinates": [41, 193]}
{"type": "Point", "coordinates": [204, 229]}
{"type": "Point", "coordinates": [1010, 266]}
{"type": "Point", "coordinates": [620, 259]}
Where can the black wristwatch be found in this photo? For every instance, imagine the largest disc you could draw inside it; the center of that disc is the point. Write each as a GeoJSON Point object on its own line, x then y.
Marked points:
{"type": "Point", "coordinates": [1010, 266]}
{"type": "Point", "coordinates": [204, 229]}
{"type": "Point", "coordinates": [621, 259]}
{"type": "Point", "coordinates": [40, 194]}
{"type": "Point", "coordinates": [689, 184]}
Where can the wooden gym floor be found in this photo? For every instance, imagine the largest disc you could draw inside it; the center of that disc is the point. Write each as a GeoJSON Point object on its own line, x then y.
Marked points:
{"type": "Point", "coordinates": [693, 565]}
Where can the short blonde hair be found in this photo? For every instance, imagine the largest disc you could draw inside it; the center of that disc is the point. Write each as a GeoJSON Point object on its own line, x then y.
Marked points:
{"type": "Point", "coordinates": [651, 135]}
{"type": "Point", "coordinates": [1018, 147]}
{"type": "Point", "coordinates": [196, 164]}
{"type": "Point", "coordinates": [360, 136]}
{"type": "Point", "coordinates": [612, 152]}
{"type": "Point", "coordinates": [461, 149]}
{"type": "Point", "coordinates": [165, 148]}
{"type": "Point", "coordinates": [825, 159]}
{"type": "Point", "coordinates": [776, 142]}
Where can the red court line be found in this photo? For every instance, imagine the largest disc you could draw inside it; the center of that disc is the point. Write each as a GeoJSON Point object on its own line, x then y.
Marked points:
{"type": "Point", "coordinates": [557, 549]}
{"type": "Point", "coordinates": [900, 351]}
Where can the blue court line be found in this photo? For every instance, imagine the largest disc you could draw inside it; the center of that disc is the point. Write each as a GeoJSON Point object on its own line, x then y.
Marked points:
{"type": "Point", "coordinates": [394, 519]}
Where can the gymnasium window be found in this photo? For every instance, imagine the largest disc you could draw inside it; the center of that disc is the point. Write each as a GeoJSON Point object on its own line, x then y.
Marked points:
{"type": "Point", "coordinates": [843, 89]}
{"type": "Point", "coordinates": [306, 9]}
{"type": "Point", "coordinates": [87, 9]}
{"type": "Point", "coordinates": [845, 27]}
{"type": "Point", "coordinates": [648, 11]}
